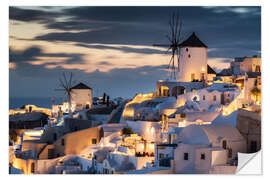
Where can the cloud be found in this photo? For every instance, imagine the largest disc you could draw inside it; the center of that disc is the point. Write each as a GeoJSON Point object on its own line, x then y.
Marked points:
{"type": "Point", "coordinates": [27, 15]}
{"type": "Point", "coordinates": [122, 32]}
{"type": "Point", "coordinates": [36, 53]}
{"type": "Point", "coordinates": [125, 82]}
{"type": "Point", "coordinates": [236, 10]}
{"type": "Point", "coordinates": [104, 63]}
{"type": "Point", "coordinates": [125, 49]}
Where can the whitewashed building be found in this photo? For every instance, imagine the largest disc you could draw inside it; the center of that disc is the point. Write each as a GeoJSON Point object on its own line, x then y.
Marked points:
{"type": "Point", "coordinates": [202, 148]}
{"type": "Point", "coordinates": [81, 96]}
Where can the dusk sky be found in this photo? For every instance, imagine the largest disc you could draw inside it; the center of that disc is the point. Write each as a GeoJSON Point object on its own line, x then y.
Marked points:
{"type": "Point", "coordinates": [110, 48]}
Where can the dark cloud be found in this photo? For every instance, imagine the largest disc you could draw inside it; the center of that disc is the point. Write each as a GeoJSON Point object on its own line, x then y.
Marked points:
{"type": "Point", "coordinates": [104, 63]}
{"type": "Point", "coordinates": [33, 53]}
{"type": "Point", "coordinates": [27, 15]}
{"type": "Point", "coordinates": [124, 49]}
{"type": "Point", "coordinates": [234, 31]}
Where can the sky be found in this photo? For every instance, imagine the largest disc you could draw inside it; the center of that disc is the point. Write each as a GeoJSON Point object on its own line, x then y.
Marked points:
{"type": "Point", "coordinates": [111, 49]}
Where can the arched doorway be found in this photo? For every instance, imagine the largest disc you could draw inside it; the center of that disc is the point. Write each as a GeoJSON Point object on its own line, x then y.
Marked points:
{"type": "Point", "coordinates": [178, 90]}
{"type": "Point", "coordinates": [164, 91]}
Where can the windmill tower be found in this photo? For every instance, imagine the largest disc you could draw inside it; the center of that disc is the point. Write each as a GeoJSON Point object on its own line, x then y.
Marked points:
{"type": "Point", "coordinates": [193, 60]}
{"type": "Point", "coordinates": [174, 37]}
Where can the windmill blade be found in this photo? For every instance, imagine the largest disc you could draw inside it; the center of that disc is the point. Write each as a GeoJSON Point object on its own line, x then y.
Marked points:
{"type": "Point", "coordinates": [179, 33]}
{"type": "Point", "coordinates": [168, 49]}
{"type": "Point", "coordinates": [169, 38]}
{"type": "Point", "coordinates": [70, 81]}
{"type": "Point", "coordinates": [62, 84]}
{"type": "Point", "coordinates": [66, 82]}
{"type": "Point", "coordinates": [169, 66]}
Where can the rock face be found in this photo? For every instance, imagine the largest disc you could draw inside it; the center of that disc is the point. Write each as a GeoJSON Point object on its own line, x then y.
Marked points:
{"type": "Point", "coordinates": [28, 120]}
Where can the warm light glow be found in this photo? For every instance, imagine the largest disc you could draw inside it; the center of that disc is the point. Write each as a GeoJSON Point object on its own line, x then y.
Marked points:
{"type": "Point", "coordinates": [128, 112]}
{"type": "Point", "coordinates": [34, 133]}
{"type": "Point", "coordinates": [12, 65]}
{"type": "Point", "coordinates": [203, 69]}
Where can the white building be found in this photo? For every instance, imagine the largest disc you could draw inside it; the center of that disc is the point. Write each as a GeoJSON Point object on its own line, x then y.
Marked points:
{"type": "Point", "coordinates": [192, 64]}
{"type": "Point", "coordinates": [202, 148]}
{"type": "Point", "coordinates": [246, 64]}
{"type": "Point", "coordinates": [81, 96]}
{"type": "Point", "coordinates": [212, 98]}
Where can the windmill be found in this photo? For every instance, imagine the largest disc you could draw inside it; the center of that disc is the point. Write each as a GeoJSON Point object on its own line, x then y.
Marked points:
{"type": "Point", "coordinates": [66, 85]}
{"type": "Point", "coordinates": [174, 37]}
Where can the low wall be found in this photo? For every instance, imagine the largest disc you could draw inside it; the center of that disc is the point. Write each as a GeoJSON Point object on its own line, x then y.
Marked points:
{"type": "Point", "coordinates": [223, 170]}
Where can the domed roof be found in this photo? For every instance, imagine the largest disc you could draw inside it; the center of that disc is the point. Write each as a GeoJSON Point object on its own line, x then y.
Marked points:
{"type": "Point", "coordinates": [208, 134]}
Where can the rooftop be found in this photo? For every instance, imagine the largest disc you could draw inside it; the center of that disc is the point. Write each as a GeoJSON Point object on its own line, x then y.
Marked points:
{"type": "Point", "coordinates": [81, 86]}
{"type": "Point", "coordinates": [193, 41]}
{"type": "Point", "coordinates": [210, 70]}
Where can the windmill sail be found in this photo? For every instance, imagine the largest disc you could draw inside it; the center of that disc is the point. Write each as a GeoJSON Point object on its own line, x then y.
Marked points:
{"type": "Point", "coordinates": [174, 37]}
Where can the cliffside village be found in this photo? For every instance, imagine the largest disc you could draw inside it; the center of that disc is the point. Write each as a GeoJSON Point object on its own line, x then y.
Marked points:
{"type": "Point", "coordinates": [195, 124]}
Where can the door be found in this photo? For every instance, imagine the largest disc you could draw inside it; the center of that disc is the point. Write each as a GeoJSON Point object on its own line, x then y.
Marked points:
{"type": "Point", "coordinates": [253, 146]}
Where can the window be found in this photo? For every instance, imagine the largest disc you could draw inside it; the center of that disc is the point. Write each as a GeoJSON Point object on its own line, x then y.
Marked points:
{"type": "Point", "coordinates": [228, 95]}
{"type": "Point", "coordinates": [215, 97]}
{"type": "Point", "coordinates": [161, 156]}
{"type": "Point", "coordinates": [63, 142]}
{"type": "Point", "coordinates": [253, 146]}
{"type": "Point", "coordinates": [203, 156]}
{"type": "Point", "coordinates": [187, 49]}
{"type": "Point", "coordinates": [203, 97]}
{"type": "Point", "coordinates": [257, 69]}
{"type": "Point", "coordinates": [54, 136]}
{"type": "Point", "coordinates": [189, 56]}
{"type": "Point", "coordinates": [33, 167]}
{"type": "Point", "coordinates": [185, 156]}
{"type": "Point", "coordinates": [224, 144]}
{"type": "Point", "coordinates": [94, 141]}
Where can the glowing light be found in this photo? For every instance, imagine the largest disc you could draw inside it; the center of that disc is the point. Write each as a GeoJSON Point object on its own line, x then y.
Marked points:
{"type": "Point", "coordinates": [34, 133]}
{"type": "Point", "coordinates": [12, 65]}
{"type": "Point", "coordinates": [152, 130]}
{"type": "Point", "coordinates": [203, 69]}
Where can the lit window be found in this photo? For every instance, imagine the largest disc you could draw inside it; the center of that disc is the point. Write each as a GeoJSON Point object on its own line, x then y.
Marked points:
{"type": "Point", "coordinates": [94, 141]}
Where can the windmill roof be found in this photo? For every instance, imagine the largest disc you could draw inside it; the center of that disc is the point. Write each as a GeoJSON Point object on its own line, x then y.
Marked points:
{"type": "Point", "coordinates": [81, 86]}
{"type": "Point", "coordinates": [193, 41]}
{"type": "Point", "coordinates": [210, 70]}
